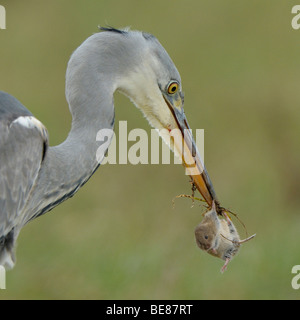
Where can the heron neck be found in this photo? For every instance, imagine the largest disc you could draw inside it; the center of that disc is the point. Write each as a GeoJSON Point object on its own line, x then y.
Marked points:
{"type": "Point", "coordinates": [68, 166]}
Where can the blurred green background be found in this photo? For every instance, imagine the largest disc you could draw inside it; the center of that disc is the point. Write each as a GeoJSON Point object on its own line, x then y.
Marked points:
{"type": "Point", "coordinates": [119, 237]}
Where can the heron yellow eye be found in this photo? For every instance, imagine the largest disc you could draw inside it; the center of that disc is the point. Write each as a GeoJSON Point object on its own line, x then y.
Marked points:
{"type": "Point", "coordinates": [173, 87]}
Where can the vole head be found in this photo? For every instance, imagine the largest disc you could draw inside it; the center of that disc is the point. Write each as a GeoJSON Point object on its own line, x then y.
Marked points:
{"type": "Point", "coordinates": [207, 231]}
{"type": "Point", "coordinates": [205, 236]}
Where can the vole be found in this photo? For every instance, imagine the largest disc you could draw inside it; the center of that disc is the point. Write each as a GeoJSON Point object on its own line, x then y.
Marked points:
{"type": "Point", "coordinates": [218, 236]}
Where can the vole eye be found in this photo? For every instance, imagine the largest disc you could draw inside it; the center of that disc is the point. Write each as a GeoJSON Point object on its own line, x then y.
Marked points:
{"type": "Point", "coordinates": [205, 237]}
{"type": "Point", "coordinates": [173, 87]}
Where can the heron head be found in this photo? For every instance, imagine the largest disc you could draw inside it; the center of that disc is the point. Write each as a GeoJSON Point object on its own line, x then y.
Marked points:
{"type": "Point", "coordinates": [151, 80]}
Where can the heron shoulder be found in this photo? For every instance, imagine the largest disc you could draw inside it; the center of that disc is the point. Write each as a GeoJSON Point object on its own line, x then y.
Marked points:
{"type": "Point", "coordinates": [13, 113]}
{"type": "Point", "coordinates": [11, 108]}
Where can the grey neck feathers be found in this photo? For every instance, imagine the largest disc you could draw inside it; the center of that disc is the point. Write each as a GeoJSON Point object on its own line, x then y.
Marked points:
{"type": "Point", "coordinates": [69, 165]}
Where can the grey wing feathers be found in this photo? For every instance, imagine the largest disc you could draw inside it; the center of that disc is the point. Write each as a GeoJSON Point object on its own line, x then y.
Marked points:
{"type": "Point", "coordinates": [21, 153]}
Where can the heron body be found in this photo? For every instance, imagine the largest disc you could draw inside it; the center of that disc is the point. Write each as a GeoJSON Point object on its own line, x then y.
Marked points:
{"type": "Point", "coordinates": [34, 177]}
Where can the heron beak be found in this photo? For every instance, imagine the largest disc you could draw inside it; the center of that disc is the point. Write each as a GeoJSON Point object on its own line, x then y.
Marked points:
{"type": "Point", "coordinates": [186, 147]}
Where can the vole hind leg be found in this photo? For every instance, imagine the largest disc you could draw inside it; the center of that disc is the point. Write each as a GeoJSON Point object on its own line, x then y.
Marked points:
{"type": "Point", "coordinates": [223, 269]}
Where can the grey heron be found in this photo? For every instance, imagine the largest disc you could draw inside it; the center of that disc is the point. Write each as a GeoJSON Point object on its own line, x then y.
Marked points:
{"type": "Point", "coordinates": [35, 178]}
